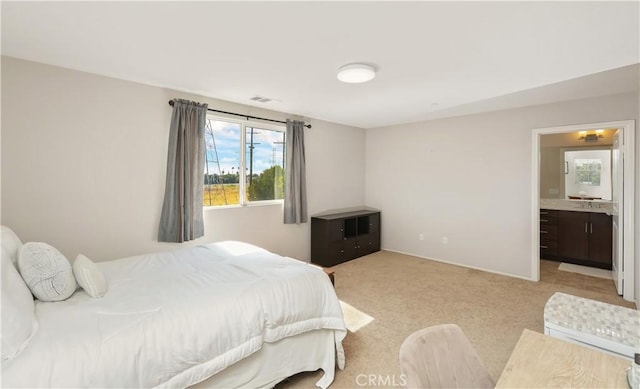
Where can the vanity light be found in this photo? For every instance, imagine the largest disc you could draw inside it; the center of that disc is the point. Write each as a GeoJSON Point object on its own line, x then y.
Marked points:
{"type": "Point", "coordinates": [591, 138]}
{"type": "Point", "coordinates": [356, 73]}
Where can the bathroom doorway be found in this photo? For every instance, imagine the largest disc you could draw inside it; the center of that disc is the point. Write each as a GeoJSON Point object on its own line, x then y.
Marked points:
{"type": "Point", "coordinates": [622, 201]}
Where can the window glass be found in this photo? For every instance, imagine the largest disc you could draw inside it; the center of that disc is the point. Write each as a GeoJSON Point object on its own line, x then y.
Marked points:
{"type": "Point", "coordinates": [232, 178]}
{"type": "Point", "coordinates": [265, 164]}
{"type": "Point", "coordinates": [222, 166]}
{"type": "Point", "coordinates": [588, 171]}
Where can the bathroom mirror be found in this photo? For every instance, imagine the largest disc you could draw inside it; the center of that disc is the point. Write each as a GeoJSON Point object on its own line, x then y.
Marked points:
{"type": "Point", "coordinates": [591, 160]}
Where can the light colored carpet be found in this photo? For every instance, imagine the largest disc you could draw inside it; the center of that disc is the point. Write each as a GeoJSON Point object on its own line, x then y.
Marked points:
{"type": "Point", "coordinates": [405, 293]}
{"type": "Point", "coordinates": [588, 271]}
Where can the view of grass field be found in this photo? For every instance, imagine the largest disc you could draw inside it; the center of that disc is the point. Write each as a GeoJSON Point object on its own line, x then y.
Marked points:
{"type": "Point", "coordinates": [268, 185]}
{"type": "Point", "coordinates": [221, 194]}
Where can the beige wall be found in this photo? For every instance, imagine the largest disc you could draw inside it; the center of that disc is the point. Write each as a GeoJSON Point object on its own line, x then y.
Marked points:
{"type": "Point", "coordinates": [83, 164]}
{"type": "Point", "coordinates": [84, 160]}
{"type": "Point", "coordinates": [469, 179]}
{"type": "Point", "coordinates": [551, 175]}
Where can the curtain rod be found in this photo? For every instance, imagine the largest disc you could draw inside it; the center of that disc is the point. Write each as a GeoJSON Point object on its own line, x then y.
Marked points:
{"type": "Point", "coordinates": [245, 116]}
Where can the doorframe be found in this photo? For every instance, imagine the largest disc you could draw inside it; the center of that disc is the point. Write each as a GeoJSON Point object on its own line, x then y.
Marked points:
{"type": "Point", "coordinates": [628, 152]}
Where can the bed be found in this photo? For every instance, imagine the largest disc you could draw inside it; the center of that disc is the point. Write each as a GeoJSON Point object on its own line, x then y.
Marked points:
{"type": "Point", "coordinates": [225, 314]}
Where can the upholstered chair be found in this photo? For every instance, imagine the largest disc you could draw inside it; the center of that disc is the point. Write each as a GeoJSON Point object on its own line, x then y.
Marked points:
{"type": "Point", "coordinates": [442, 357]}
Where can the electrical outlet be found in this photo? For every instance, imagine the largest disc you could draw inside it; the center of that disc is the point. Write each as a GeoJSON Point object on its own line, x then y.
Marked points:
{"type": "Point", "coordinates": [421, 236]}
{"type": "Point", "coordinates": [445, 240]}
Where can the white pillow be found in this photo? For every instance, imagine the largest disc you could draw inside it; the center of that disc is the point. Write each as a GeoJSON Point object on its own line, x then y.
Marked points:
{"type": "Point", "coordinates": [89, 276]}
{"type": "Point", "coordinates": [11, 243]}
{"type": "Point", "coordinates": [18, 310]}
{"type": "Point", "coordinates": [46, 272]}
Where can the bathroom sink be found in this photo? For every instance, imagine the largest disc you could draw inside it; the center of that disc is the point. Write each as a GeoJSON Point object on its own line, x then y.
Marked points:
{"type": "Point", "coordinates": [584, 198]}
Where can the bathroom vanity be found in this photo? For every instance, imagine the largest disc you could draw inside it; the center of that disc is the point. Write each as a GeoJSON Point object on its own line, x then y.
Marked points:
{"type": "Point", "coordinates": [577, 232]}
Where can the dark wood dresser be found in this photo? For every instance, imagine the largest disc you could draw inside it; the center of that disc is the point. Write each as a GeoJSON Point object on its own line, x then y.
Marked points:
{"type": "Point", "coordinates": [340, 235]}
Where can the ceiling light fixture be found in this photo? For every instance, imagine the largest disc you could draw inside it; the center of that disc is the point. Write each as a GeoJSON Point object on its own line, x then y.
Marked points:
{"type": "Point", "coordinates": [356, 72]}
{"type": "Point", "coordinates": [261, 99]}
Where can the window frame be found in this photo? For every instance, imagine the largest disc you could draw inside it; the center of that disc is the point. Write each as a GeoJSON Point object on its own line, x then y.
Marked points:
{"type": "Point", "coordinates": [242, 179]}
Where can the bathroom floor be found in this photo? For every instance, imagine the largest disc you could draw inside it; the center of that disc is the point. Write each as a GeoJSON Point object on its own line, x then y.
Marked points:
{"type": "Point", "coordinates": [549, 273]}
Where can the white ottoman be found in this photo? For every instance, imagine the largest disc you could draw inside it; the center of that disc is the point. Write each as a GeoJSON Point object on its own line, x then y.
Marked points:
{"type": "Point", "coordinates": [605, 327]}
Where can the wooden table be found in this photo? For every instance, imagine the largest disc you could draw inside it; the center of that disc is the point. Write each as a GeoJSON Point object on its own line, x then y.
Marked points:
{"type": "Point", "coordinates": [540, 361]}
{"type": "Point", "coordinates": [328, 271]}
{"type": "Point", "coordinates": [330, 274]}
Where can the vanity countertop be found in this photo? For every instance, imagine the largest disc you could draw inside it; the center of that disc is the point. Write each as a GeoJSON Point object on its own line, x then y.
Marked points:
{"type": "Point", "coordinates": [597, 206]}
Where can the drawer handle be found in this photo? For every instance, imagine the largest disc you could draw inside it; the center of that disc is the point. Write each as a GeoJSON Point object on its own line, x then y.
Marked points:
{"type": "Point", "coordinates": [544, 213]}
{"type": "Point", "coordinates": [544, 221]}
{"type": "Point", "coordinates": [543, 232]}
{"type": "Point", "coordinates": [543, 247]}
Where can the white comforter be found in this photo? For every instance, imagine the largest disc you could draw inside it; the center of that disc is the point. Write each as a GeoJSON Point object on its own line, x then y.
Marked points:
{"type": "Point", "coordinates": [175, 318]}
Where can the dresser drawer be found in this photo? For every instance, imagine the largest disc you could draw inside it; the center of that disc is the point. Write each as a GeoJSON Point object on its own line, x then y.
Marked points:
{"type": "Point", "coordinates": [548, 244]}
{"type": "Point", "coordinates": [548, 233]}
{"type": "Point", "coordinates": [548, 220]}
{"type": "Point", "coordinates": [548, 248]}
{"type": "Point", "coordinates": [548, 230]}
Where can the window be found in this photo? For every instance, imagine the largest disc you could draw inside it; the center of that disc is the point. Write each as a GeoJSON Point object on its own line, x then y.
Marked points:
{"type": "Point", "coordinates": [588, 171]}
{"type": "Point", "coordinates": [244, 162]}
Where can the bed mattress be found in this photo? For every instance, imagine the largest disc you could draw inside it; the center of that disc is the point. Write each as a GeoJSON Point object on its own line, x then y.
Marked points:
{"type": "Point", "coordinates": [176, 318]}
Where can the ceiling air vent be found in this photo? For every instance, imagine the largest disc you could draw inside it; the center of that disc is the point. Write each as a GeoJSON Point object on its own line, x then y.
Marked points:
{"type": "Point", "coordinates": [260, 99]}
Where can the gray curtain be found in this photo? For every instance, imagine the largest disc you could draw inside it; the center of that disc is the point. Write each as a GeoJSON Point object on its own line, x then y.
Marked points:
{"type": "Point", "coordinates": [181, 218]}
{"type": "Point", "coordinates": [295, 185]}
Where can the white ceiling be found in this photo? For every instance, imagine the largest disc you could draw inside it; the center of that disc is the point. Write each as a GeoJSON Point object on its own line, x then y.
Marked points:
{"type": "Point", "coordinates": [434, 59]}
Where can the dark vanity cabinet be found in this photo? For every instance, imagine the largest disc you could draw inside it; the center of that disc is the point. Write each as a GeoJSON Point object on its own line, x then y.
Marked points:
{"type": "Point", "coordinates": [601, 240]}
{"type": "Point", "coordinates": [548, 233]}
{"type": "Point", "coordinates": [341, 235]}
{"type": "Point", "coordinates": [586, 238]}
